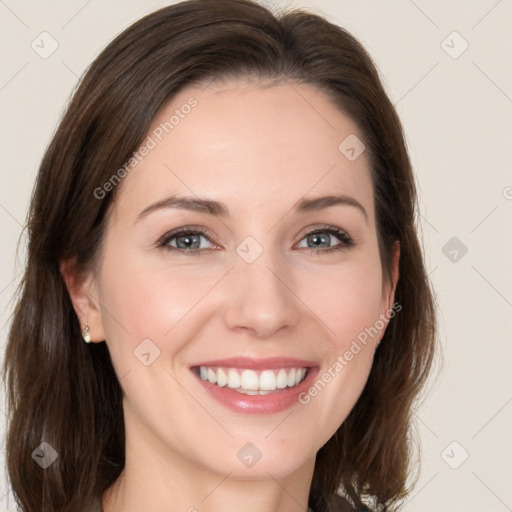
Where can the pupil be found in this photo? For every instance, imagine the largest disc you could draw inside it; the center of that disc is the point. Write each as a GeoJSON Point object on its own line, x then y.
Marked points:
{"type": "Point", "coordinates": [188, 241]}
{"type": "Point", "coordinates": [318, 237]}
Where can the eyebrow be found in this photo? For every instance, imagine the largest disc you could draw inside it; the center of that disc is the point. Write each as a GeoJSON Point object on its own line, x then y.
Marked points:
{"type": "Point", "coordinates": [219, 209]}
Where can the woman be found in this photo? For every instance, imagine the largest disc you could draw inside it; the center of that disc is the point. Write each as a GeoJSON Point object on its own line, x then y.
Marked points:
{"type": "Point", "coordinates": [225, 304]}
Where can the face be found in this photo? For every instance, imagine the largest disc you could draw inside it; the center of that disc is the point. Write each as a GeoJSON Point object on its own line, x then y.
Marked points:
{"type": "Point", "coordinates": [237, 314]}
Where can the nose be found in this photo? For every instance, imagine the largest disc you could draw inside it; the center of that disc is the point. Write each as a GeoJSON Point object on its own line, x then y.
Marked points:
{"type": "Point", "coordinates": [261, 297]}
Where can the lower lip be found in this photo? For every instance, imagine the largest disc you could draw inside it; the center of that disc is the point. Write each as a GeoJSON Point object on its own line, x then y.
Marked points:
{"type": "Point", "coordinates": [259, 404]}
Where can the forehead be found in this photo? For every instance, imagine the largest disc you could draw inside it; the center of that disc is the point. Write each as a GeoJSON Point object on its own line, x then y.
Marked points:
{"type": "Point", "coordinates": [249, 145]}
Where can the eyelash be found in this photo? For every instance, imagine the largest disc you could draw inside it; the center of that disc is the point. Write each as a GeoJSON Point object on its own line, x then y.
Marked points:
{"type": "Point", "coordinates": [346, 240]}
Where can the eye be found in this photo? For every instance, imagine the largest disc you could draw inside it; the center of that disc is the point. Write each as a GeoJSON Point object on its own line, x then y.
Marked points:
{"type": "Point", "coordinates": [322, 236]}
{"type": "Point", "coordinates": [187, 240]}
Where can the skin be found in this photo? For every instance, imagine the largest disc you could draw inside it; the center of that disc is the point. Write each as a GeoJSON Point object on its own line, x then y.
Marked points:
{"type": "Point", "coordinates": [259, 149]}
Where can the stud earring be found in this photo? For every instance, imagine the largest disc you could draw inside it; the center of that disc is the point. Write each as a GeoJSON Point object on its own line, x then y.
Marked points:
{"type": "Point", "coordinates": [85, 334]}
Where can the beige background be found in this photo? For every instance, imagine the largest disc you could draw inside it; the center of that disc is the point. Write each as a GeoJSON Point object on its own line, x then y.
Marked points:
{"type": "Point", "coordinates": [457, 114]}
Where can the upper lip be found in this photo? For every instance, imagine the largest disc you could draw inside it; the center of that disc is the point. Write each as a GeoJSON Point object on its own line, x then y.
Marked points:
{"type": "Point", "coordinates": [252, 363]}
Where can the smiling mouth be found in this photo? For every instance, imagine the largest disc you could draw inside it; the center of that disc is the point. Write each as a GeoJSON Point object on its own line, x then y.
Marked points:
{"type": "Point", "coordinates": [253, 382]}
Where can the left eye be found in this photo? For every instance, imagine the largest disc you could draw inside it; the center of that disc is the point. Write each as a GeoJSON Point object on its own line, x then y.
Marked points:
{"type": "Point", "coordinates": [322, 236]}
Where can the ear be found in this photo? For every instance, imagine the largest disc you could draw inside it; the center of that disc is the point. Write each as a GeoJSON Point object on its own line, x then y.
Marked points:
{"type": "Point", "coordinates": [83, 292]}
{"type": "Point", "coordinates": [388, 292]}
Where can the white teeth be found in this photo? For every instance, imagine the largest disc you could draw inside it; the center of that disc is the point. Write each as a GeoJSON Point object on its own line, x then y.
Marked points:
{"type": "Point", "coordinates": [251, 392]}
{"type": "Point", "coordinates": [249, 382]}
{"type": "Point", "coordinates": [212, 376]}
{"type": "Point", "coordinates": [282, 379]}
{"type": "Point", "coordinates": [267, 380]}
{"type": "Point", "coordinates": [291, 378]}
{"type": "Point", "coordinates": [233, 379]}
{"type": "Point", "coordinates": [222, 378]}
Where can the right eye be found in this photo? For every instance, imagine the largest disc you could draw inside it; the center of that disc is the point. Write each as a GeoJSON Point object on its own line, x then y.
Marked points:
{"type": "Point", "coordinates": [187, 240]}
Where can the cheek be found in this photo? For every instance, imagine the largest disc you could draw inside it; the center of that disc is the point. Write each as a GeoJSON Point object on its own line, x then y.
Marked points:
{"type": "Point", "coordinates": [349, 303]}
{"type": "Point", "coordinates": [347, 299]}
{"type": "Point", "coordinates": [142, 299]}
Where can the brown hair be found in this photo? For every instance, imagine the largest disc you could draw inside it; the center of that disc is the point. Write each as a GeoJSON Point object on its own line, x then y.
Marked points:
{"type": "Point", "coordinates": [65, 392]}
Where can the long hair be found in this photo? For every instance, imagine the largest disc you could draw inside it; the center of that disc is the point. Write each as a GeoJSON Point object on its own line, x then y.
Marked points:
{"type": "Point", "coordinates": [64, 392]}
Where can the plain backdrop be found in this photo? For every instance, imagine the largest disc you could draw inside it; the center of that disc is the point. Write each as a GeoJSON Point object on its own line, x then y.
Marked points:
{"type": "Point", "coordinates": [447, 67]}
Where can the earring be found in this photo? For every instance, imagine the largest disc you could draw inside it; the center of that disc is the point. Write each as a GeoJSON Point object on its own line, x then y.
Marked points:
{"type": "Point", "coordinates": [85, 334]}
